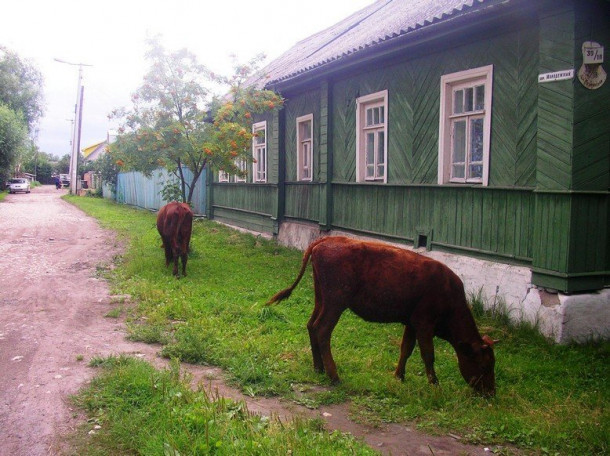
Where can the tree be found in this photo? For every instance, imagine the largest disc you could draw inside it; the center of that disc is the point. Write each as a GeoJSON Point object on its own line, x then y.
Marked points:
{"type": "Point", "coordinates": [20, 87]}
{"type": "Point", "coordinates": [170, 124]}
{"type": "Point", "coordinates": [13, 136]}
{"type": "Point", "coordinates": [63, 165]}
{"type": "Point", "coordinates": [108, 168]}
{"type": "Point", "coordinates": [38, 163]}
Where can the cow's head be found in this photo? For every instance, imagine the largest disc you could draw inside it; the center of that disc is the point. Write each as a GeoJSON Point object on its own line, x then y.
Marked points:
{"type": "Point", "coordinates": [476, 361]}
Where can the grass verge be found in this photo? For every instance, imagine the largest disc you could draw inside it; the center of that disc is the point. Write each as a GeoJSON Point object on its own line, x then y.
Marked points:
{"type": "Point", "coordinates": [551, 399]}
{"type": "Point", "coordinates": [135, 409]}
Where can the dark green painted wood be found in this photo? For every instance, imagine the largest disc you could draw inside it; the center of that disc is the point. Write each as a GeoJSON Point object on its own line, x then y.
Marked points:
{"type": "Point", "coordinates": [571, 226]}
{"type": "Point", "coordinates": [414, 90]}
{"type": "Point", "coordinates": [325, 195]}
{"type": "Point", "coordinates": [247, 220]}
{"type": "Point", "coordinates": [303, 201]}
{"type": "Point", "coordinates": [555, 100]}
{"type": "Point", "coordinates": [460, 217]}
{"type": "Point", "coordinates": [246, 197]}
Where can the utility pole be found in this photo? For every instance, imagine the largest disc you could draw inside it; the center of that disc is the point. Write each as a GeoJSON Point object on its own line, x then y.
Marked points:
{"type": "Point", "coordinates": [78, 113]}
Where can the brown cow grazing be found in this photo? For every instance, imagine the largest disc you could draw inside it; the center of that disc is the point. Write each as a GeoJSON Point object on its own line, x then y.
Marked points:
{"type": "Point", "coordinates": [381, 283]}
{"type": "Point", "coordinates": [174, 223]}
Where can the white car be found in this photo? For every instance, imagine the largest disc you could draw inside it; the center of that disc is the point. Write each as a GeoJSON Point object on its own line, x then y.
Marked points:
{"type": "Point", "coordinates": [19, 185]}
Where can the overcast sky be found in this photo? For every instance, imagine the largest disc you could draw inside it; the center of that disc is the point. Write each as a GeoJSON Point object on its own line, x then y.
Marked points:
{"type": "Point", "coordinates": [110, 35]}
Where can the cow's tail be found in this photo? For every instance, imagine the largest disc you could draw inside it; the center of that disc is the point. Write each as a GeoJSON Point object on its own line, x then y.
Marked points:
{"type": "Point", "coordinates": [179, 220]}
{"type": "Point", "coordinates": [281, 295]}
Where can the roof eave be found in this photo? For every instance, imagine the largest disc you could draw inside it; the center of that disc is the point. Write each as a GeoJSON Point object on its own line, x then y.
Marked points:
{"type": "Point", "coordinates": [399, 44]}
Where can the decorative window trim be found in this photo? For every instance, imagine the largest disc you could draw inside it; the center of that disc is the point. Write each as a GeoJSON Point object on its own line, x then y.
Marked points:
{"type": "Point", "coordinates": [373, 100]}
{"type": "Point", "coordinates": [449, 82]}
{"type": "Point", "coordinates": [304, 144]}
{"type": "Point", "coordinates": [259, 152]}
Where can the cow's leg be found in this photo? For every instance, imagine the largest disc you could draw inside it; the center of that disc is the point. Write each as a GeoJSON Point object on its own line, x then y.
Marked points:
{"type": "Point", "coordinates": [175, 256]}
{"type": "Point", "coordinates": [318, 365]}
{"type": "Point", "coordinates": [406, 348]}
{"type": "Point", "coordinates": [426, 347]}
{"type": "Point", "coordinates": [313, 339]}
{"type": "Point", "coordinates": [184, 257]}
{"type": "Point", "coordinates": [168, 251]}
{"type": "Point", "coordinates": [323, 329]}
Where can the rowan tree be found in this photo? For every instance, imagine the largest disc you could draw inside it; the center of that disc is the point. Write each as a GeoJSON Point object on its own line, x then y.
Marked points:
{"type": "Point", "coordinates": [175, 122]}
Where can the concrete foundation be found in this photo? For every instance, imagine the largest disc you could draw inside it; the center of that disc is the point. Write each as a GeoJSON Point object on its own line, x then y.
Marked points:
{"type": "Point", "coordinates": [563, 318]}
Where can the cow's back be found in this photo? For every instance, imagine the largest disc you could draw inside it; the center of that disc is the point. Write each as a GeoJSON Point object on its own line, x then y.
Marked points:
{"type": "Point", "coordinates": [174, 222]}
{"type": "Point", "coordinates": [383, 283]}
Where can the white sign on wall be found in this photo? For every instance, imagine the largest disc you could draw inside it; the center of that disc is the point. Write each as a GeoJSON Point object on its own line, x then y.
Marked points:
{"type": "Point", "coordinates": [556, 76]}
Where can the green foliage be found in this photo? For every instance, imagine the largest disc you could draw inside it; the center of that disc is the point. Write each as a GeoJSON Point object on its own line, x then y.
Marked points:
{"type": "Point", "coordinates": [171, 190]}
{"type": "Point", "coordinates": [20, 87]}
{"type": "Point", "coordinates": [136, 409]}
{"type": "Point", "coordinates": [166, 125]}
{"type": "Point", "coordinates": [108, 168]}
{"type": "Point", "coordinates": [550, 398]}
{"type": "Point", "coordinates": [13, 136]}
{"type": "Point", "coordinates": [169, 125]}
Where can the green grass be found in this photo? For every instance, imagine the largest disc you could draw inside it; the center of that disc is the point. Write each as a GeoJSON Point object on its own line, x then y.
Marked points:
{"type": "Point", "coordinates": [550, 398]}
{"type": "Point", "coordinates": [135, 409]}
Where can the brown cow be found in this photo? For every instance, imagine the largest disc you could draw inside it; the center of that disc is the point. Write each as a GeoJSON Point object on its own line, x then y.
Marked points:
{"type": "Point", "coordinates": [382, 283]}
{"type": "Point", "coordinates": [174, 223]}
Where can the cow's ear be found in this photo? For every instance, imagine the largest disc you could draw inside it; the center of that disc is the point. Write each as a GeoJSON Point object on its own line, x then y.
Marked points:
{"type": "Point", "coordinates": [489, 341]}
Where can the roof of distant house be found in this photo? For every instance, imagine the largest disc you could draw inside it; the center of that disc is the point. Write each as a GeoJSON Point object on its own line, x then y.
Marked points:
{"type": "Point", "coordinates": [87, 151]}
{"type": "Point", "coordinates": [379, 23]}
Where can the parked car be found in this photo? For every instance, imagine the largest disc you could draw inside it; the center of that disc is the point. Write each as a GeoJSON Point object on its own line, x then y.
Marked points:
{"type": "Point", "coordinates": [19, 185]}
{"type": "Point", "coordinates": [65, 180]}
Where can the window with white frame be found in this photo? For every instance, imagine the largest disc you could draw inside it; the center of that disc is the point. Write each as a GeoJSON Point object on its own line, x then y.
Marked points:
{"type": "Point", "coordinates": [465, 126]}
{"type": "Point", "coordinates": [305, 148]}
{"type": "Point", "coordinates": [223, 176]}
{"type": "Point", "coordinates": [259, 151]}
{"type": "Point", "coordinates": [241, 165]}
{"type": "Point", "coordinates": [371, 139]}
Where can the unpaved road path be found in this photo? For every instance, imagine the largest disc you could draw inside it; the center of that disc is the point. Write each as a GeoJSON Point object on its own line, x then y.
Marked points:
{"type": "Point", "coordinates": [52, 307]}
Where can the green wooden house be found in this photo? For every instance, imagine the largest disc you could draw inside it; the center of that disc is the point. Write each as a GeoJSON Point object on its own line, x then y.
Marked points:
{"type": "Point", "coordinates": [478, 128]}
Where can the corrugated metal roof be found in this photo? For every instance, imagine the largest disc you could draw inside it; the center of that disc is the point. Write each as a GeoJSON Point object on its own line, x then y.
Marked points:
{"type": "Point", "coordinates": [378, 23]}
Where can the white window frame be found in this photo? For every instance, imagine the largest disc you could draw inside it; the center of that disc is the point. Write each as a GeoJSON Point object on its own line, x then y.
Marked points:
{"type": "Point", "coordinates": [242, 165]}
{"type": "Point", "coordinates": [223, 176]}
{"type": "Point", "coordinates": [304, 149]}
{"type": "Point", "coordinates": [373, 100]}
{"type": "Point", "coordinates": [449, 84]}
{"type": "Point", "coordinates": [259, 152]}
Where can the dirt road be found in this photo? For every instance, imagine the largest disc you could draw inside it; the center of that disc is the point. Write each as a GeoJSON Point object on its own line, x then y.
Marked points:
{"type": "Point", "coordinates": [52, 307]}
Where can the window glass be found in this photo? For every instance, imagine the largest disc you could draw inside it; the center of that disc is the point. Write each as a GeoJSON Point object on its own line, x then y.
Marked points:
{"type": "Point", "coordinates": [458, 102]}
{"type": "Point", "coordinates": [468, 94]}
{"type": "Point", "coordinates": [479, 104]}
{"type": "Point", "coordinates": [459, 141]}
{"type": "Point", "coordinates": [476, 139]}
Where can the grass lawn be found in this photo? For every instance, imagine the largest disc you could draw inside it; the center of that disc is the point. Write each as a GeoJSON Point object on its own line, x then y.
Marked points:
{"type": "Point", "coordinates": [550, 399]}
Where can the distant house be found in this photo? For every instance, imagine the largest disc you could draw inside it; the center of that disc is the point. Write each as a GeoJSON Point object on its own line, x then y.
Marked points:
{"type": "Point", "coordinates": [93, 152]}
{"type": "Point", "coordinates": [477, 131]}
